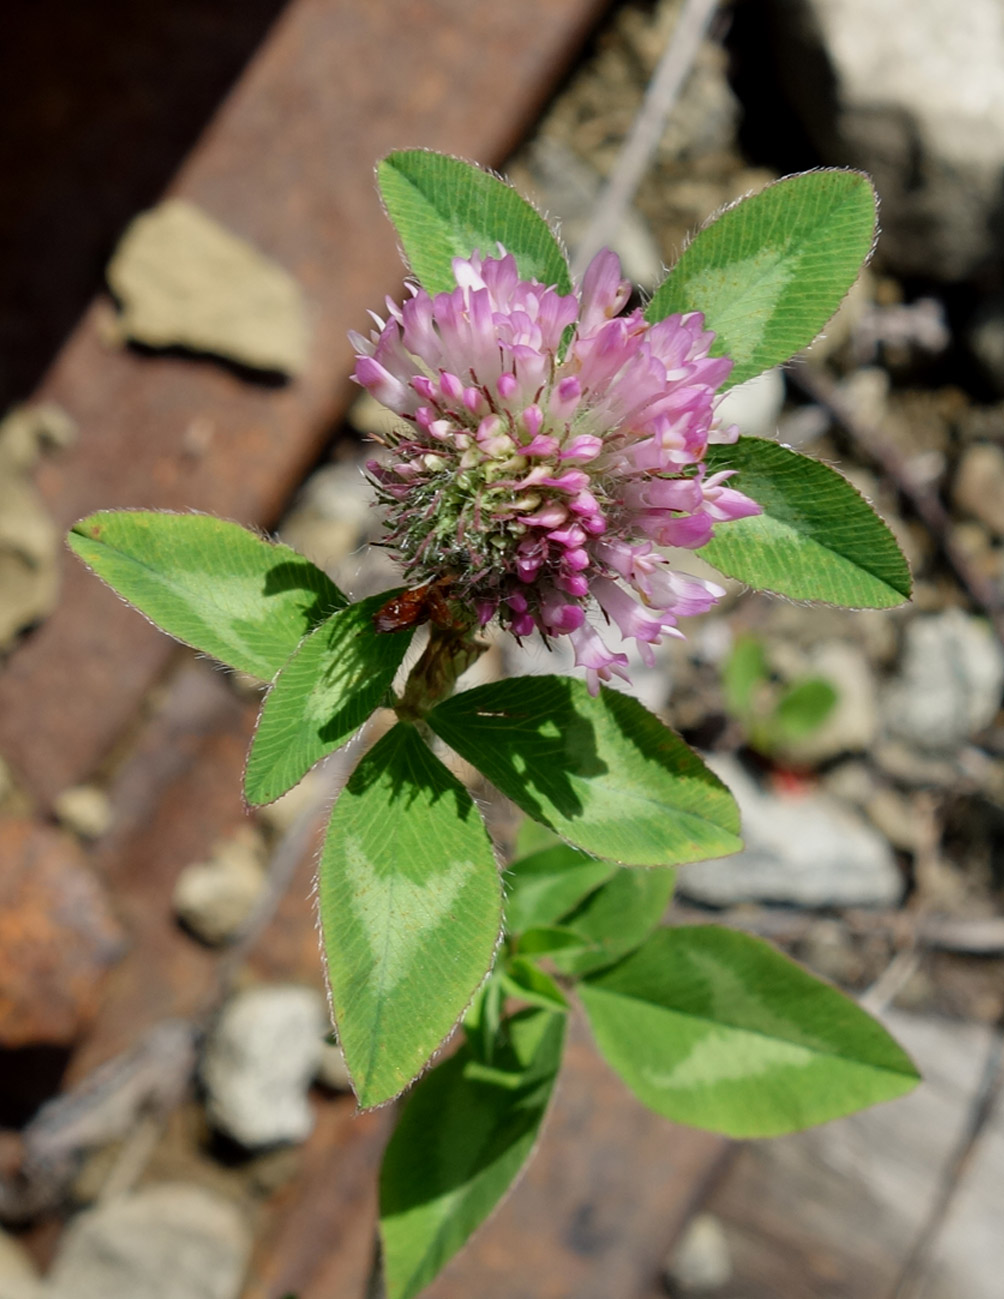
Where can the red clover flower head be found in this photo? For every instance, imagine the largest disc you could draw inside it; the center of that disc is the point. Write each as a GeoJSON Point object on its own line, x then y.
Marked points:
{"type": "Point", "coordinates": [549, 447]}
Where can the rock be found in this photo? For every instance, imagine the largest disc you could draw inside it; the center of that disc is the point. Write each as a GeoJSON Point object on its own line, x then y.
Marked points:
{"type": "Point", "coordinates": [183, 280]}
{"type": "Point", "coordinates": [903, 763]}
{"type": "Point", "coordinates": [371, 420]}
{"type": "Point", "coordinates": [701, 1262]}
{"type": "Point", "coordinates": [332, 1072]}
{"type": "Point", "coordinates": [215, 898]}
{"type": "Point", "coordinates": [85, 810]}
{"type": "Point", "coordinates": [29, 575]}
{"type": "Point", "coordinates": [260, 1059]}
{"type": "Point", "coordinates": [57, 936]}
{"type": "Point", "coordinates": [809, 851]}
{"type": "Point", "coordinates": [333, 514]}
{"type": "Point", "coordinates": [564, 186]}
{"type": "Point", "coordinates": [29, 539]}
{"type": "Point", "coordinates": [950, 683]}
{"type": "Point", "coordinates": [985, 337]}
{"type": "Point", "coordinates": [978, 489]}
{"type": "Point", "coordinates": [828, 949]}
{"type": "Point", "coordinates": [852, 725]}
{"type": "Point", "coordinates": [303, 798]}
{"type": "Point", "coordinates": [895, 816]}
{"type": "Point", "coordinates": [170, 1241]}
{"type": "Point", "coordinates": [18, 1274]}
{"type": "Point", "coordinates": [28, 429]}
{"type": "Point", "coordinates": [903, 333]}
{"type": "Point", "coordinates": [754, 406]}
{"type": "Point", "coordinates": [911, 91]}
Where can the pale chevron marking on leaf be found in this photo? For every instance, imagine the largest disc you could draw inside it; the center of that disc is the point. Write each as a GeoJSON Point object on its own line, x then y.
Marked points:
{"type": "Point", "coordinates": [391, 905]}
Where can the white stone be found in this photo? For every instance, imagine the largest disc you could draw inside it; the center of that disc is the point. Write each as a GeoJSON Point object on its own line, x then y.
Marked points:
{"type": "Point", "coordinates": [183, 280]}
{"type": "Point", "coordinates": [978, 489]}
{"type": "Point", "coordinates": [304, 798]}
{"type": "Point", "coordinates": [754, 406]}
{"type": "Point", "coordinates": [85, 810]}
{"type": "Point", "coordinates": [913, 93]}
{"type": "Point", "coordinates": [171, 1241]}
{"type": "Point", "coordinates": [332, 1072]}
{"type": "Point", "coordinates": [215, 898]}
{"type": "Point", "coordinates": [701, 1262]}
{"type": "Point", "coordinates": [29, 569]}
{"type": "Point", "coordinates": [808, 850]}
{"type": "Point", "coordinates": [260, 1060]}
{"type": "Point", "coordinates": [18, 1274]}
{"type": "Point", "coordinates": [949, 686]}
{"type": "Point", "coordinates": [853, 723]}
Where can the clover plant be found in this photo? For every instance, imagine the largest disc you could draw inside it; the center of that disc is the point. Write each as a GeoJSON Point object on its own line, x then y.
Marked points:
{"type": "Point", "coordinates": [552, 449]}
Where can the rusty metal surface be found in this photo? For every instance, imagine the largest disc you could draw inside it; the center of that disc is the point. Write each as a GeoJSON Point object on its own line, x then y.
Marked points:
{"type": "Point", "coordinates": [177, 796]}
{"type": "Point", "coordinates": [58, 937]}
{"type": "Point", "coordinates": [317, 1236]}
{"type": "Point", "coordinates": [287, 163]}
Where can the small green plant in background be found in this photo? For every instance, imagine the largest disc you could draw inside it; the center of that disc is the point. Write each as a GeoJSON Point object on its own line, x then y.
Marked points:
{"type": "Point", "coordinates": [551, 452]}
{"type": "Point", "coordinates": [774, 715]}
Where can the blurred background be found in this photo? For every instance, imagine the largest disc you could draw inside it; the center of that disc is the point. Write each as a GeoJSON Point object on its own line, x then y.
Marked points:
{"type": "Point", "coordinates": [171, 1124]}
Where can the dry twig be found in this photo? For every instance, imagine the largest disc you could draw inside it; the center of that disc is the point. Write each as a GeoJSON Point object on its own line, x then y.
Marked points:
{"type": "Point", "coordinates": [646, 130]}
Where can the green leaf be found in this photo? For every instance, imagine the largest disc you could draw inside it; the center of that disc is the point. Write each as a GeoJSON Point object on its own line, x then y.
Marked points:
{"type": "Point", "coordinates": [322, 696]}
{"type": "Point", "coordinates": [545, 886]}
{"type": "Point", "coordinates": [463, 1136]}
{"type": "Point", "coordinates": [410, 908]}
{"type": "Point", "coordinates": [546, 939]}
{"type": "Point", "coordinates": [212, 584]}
{"type": "Point", "coordinates": [769, 272]}
{"type": "Point", "coordinates": [484, 1014]}
{"type": "Point", "coordinates": [716, 1029]}
{"type": "Point", "coordinates": [444, 208]}
{"type": "Point", "coordinates": [602, 772]}
{"type": "Point", "coordinates": [744, 670]}
{"type": "Point", "coordinates": [802, 708]}
{"type": "Point", "coordinates": [617, 917]}
{"type": "Point", "coordinates": [817, 538]}
{"type": "Point", "coordinates": [523, 979]}
{"type": "Point", "coordinates": [531, 837]}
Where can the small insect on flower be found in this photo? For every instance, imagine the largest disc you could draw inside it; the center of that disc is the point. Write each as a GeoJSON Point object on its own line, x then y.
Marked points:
{"type": "Point", "coordinates": [549, 449]}
{"type": "Point", "coordinates": [426, 603]}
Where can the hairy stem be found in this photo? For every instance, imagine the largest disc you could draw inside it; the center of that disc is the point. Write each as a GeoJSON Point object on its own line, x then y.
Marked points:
{"type": "Point", "coordinates": [448, 654]}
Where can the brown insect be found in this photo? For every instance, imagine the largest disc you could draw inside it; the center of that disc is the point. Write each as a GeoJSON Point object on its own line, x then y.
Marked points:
{"type": "Point", "coordinates": [426, 603]}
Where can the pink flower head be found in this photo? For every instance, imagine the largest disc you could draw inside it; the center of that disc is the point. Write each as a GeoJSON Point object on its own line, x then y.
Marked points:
{"type": "Point", "coordinates": [548, 445]}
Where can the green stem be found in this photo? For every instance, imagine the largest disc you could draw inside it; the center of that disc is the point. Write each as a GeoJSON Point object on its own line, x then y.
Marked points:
{"type": "Point", "coordinates": [448, 654]}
